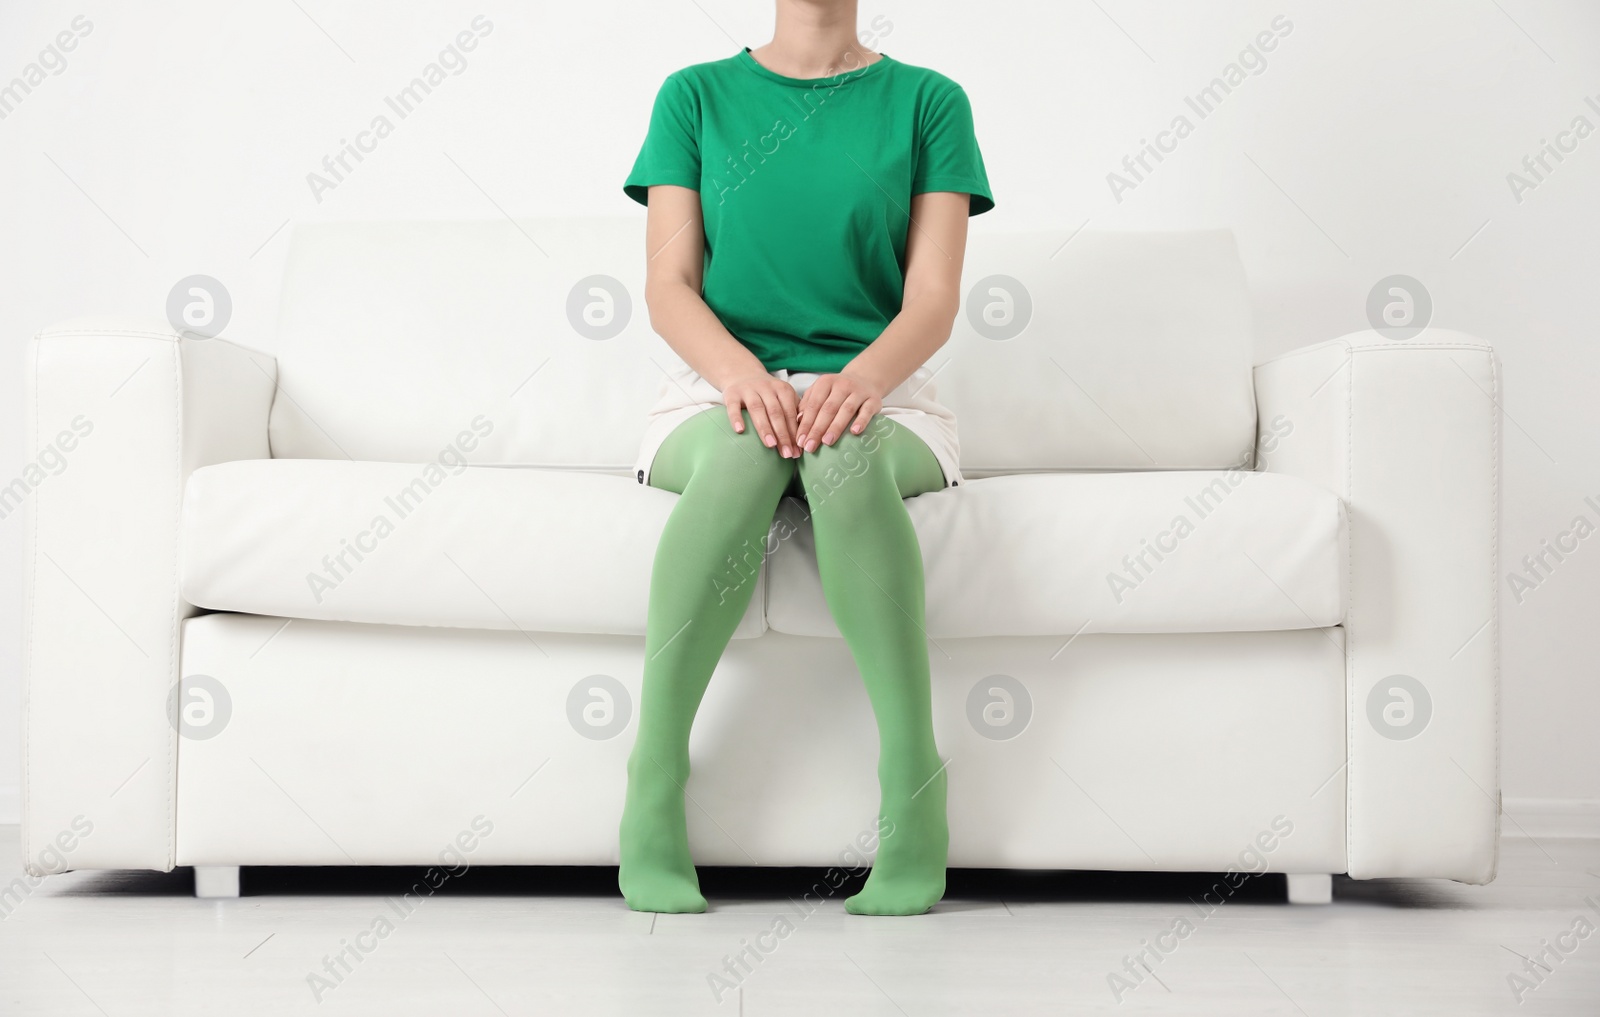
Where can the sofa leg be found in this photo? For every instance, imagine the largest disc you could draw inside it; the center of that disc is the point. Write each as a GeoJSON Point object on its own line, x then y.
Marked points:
{"type": "Point", "coordinates": [216, 880]}
{"type": "Point", "coordinates": [1310, 888]}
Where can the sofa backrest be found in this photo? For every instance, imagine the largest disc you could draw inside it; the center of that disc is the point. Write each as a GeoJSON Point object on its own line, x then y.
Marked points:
{"type": "Point", "coordinates": [1089, 351]}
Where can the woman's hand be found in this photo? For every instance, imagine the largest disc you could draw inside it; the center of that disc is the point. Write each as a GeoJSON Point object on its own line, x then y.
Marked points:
{"type": "Point", "coordinates": [832, 403]}
{"type": "Point", "coordinates": [772, 406]}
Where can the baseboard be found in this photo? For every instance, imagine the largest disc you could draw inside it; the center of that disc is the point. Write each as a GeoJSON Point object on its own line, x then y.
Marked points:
{"type": "Point", "coordinates": [10, 804]}
{"type": "Point", "coordinates": [1550, 817]}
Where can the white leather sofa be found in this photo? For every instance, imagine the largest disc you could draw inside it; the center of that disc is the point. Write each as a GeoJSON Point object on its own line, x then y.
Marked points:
{"type": "Point", "coordinates": [1187, 612]}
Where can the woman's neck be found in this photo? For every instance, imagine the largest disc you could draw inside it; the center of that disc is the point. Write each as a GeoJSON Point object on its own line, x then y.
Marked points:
{"type": "Point", "coordinates": [814, 39]}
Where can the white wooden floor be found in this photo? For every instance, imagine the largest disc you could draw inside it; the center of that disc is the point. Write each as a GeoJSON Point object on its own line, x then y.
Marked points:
{"type": "Point", "coordinates": [513, 942]}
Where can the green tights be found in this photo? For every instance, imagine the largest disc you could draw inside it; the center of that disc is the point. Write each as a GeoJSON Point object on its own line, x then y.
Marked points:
{"type": "Point", "coordinates": [704, 575]}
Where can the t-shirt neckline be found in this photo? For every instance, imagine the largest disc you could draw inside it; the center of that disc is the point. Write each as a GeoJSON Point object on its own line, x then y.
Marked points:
{"type": "Point", "coordinates": [751, 63]}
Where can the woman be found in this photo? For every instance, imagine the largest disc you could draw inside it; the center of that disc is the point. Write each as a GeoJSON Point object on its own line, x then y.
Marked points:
{"type": "Point", "coordinates": [807, 220]}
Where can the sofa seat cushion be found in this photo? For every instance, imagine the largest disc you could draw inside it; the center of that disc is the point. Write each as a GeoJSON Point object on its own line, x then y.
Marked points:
{"type": "Point", "coordinates": [1059, 553]}
{"type": "Point", "coordinates": [413, 544]}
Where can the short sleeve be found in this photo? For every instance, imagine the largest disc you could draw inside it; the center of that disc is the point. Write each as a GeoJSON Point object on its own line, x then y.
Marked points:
{"type": "Point", "coordinates": [671, 150]}
{"type": "Point", "coordinates": [947, 155]}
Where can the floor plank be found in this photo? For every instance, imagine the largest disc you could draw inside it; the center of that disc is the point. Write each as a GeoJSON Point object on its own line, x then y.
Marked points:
{"type": "Point", "coordinates": [538, 941]}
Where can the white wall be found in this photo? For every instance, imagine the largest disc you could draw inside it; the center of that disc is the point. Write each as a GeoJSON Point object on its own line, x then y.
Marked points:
{"type": "Point", "coordinates": [1377, 141]}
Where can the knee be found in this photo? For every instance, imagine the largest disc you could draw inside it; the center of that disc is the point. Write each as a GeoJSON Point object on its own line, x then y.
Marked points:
{"type": "Point", "coordinates": [846, 472]}
{"type": "Point", "coordinates": [741, 457]}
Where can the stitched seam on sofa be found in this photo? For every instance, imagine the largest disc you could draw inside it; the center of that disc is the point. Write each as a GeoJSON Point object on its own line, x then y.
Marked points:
{"type": "Point", "coordinates": [1306, 351]}
{"type": "Point", "coordinates": [28, 665]}
{"type": "Point", "coordinates": [1494, 591]}
{"type": "Point", "coordinates": [115, 333]}
{"type": "Point", "coordinates": [1413, 346]}
{"type": "Point", "coordinates": [1303, 351]}
{"type": "Point", "coordinates": [1350, 615]}
{"type": "Point", "coordinates": [137, 333]}
{"type": "Point", "coordinates": [176, 601]}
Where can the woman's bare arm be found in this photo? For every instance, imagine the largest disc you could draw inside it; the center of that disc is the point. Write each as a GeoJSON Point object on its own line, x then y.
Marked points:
{"type": "Point", "coordinates": [675, 247]}
{"type": "Point", "coordinates": [935, 247]}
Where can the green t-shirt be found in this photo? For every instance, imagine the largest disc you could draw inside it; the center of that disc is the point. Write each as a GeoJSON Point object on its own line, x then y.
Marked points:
{"type": "Point", "coordinates": [805, 186]}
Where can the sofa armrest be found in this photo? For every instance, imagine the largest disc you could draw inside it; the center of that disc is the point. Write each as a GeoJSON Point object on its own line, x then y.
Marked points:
{"type": "Point", "coordinates": [1408, 434]}
{"type": "Point", "coordinates": [117, 416]}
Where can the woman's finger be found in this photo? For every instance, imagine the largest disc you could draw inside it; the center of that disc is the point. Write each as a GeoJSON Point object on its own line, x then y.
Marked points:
{"type": "Point", "coordinates": [758, 417]}
{"type": "Point", "coordinates": [864, 415]}
{"type": "Point", "coordinates": [735, 417]}
{"type": "Point", "coordinates": [782, 428]}
{"type": "Point", "coordinates": [841, 416]}
{"type": "Point", "coordinates": [790, 403]}
{"type": "Point", "coordinates": [827, 416]}
{"type": "Point", "coordinates": [808, 407]}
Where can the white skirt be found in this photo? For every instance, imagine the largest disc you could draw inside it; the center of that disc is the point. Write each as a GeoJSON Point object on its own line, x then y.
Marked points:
{"type": "Point", "coordinates": [914, 404]}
